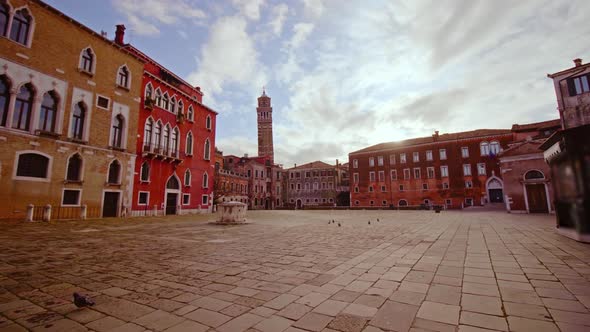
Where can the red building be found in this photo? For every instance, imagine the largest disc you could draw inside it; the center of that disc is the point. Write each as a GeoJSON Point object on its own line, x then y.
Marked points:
{"type": "Point", "coordinates": [526, 175]}
{"type": "Point", "coordinates": [174, 167]}
{"type": "Point", "coordinates": [454, 170]}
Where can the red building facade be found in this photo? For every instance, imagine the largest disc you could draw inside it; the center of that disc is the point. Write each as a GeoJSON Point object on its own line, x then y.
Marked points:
{"type": "Point", "coordinates": [454, 170]}
{"type": "Point", "coordinates": [174, 168]}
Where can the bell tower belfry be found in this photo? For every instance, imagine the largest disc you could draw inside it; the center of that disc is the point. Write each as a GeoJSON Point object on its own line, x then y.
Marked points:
{"type": "Point", "coordinates": [264, 113]}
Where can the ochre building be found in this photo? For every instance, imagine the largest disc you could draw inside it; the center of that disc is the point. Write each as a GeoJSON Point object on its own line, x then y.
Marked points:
{"type": "Point", "coordinates": [69, 102]}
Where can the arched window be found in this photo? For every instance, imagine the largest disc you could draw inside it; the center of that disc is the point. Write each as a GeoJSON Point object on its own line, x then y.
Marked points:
{"type": "Point", "coordinates": [4, 15]}
{"type": "Point", "coordinates": [187, 178]}
{"type": "Point", "coordinates": [114, 172]}
{"type": "Point", "coordinates": [208, 122]}
{"type": "Point", "coordinates": [21, 24]}
{"type": "Point", "coordinates": [189, 144]}
{"type": "Point", "coordinates": [87, 60]}
{"type": "Point", "coordinates": [402, 202]}
{"type": "Point", "coordinates": [205, 180]}
{"type": "Point", "coordinates": [147, 134]}
{"type": "Point", "coordinates": [207, 152]}
{"type": "Point", "coordinates": [158, 136]}
{"type": "Point", "coordinates": [22, 108]}
{"type": "Point", "coordinates": [166, 139]}
{"type": "Point", "coordinates": [74, 168]}
{"type": "Point", "coordinates": [173, 183]}
{"type": "Point", "coordinates": [534, 174]}
{"type": "Point", "coordinates": [173, 105]}
{"type": "Point", "coordinates": [165, 102]}
{"type": "Point", "coordinates": [180, 106]}
{"type": "Point", "coordinates": [158, 97]}
{"type": "Point", "coordinates": [48, 112]}
{"type": "Point", "coordinates": [4, 99]}
{"type": "Point", "coordinates": [145, 172]}
{"type": "Point", "coordinates": [32, 165]}
{"type": "Point", "coordinates": [78, 118]}
{"type": "Point", "coordinates": [118, 123]}
{"type": "Point", "coordinates": [494, 148]}
{"type": "Point", "coordinates": [123, 77]}
{"type": "Point", "coordinates": [484, 148]}
{"type": "Point", "coordinates": [190, 113]}
{"type": "Point", "coordinates": [174, 141]}
{"type": "Point", "coordinates": [148, 91]}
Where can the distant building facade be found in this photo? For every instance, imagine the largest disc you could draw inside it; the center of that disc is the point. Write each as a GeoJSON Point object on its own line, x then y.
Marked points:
{"type": "Point", "coordinates": [68, 114]}
{"type": "Point", "coordinates": [174, 169]}
{"type": "Point", "coordinates": [454, 170]}
{"type": "Point", "coordinates": [231, 184]}
{"type": "Point", "coordinates": [526, 175]}
{"type": "Point", "coordinates": [315, 184]}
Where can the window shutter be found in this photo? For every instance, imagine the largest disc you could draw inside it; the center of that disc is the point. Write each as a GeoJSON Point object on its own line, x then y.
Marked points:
{"type": "Point", "coordinates": [571, 87]}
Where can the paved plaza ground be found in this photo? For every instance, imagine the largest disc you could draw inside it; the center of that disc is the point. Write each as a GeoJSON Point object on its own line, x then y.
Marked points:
{"type": "Point", "coordinates": [293, 271]}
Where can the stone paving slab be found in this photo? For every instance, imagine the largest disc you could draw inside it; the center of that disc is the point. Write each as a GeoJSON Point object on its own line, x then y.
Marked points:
{"type": "Point", "coordinates": [292, 271]}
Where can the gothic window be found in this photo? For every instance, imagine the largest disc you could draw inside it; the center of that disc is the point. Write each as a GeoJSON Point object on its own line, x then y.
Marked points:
{"type": "Point", "coordinates": [21, 24]}
{"type": "Point", "coordinates": [190, 113]}
{"type": "Point", "coordinates": [205, 180]}
{"type": "Point", "coordinates": [74, 168]}
{"type": "Point", "coordinates": [187, 178]}
{"type": "Point", "coordinates": [4, 99]}
{"type": "Point", "coordinates": [22, 108]}
{"type": "Point", "coordinates": [165, 102]}
{"type": "Point", "coordinates": [114, 172]}
{"type": "Point", "coordinates": [145, 172]}
{"type": "Point", "coordinates": [48, 112]}
{"type": "Point", "coordinates": [78, 118]}
{"type": "Point", "coordinates": [123, 77]}
{"type": "Point", "coordinates": [207, 150]}
{"type": "Point", "coordinates": [494, 148]}
{"type": "Point", "coordinates": [87, 60]}
{"type": "Point", "coordinates": [208, 122]}
{"type": "Point", "coordinates": [189, 144]}
{"type": "Point", "coordinates": [166, 139]}
{"type": "Point", "coordinates": [117, 139]}
{"type": "Point", "coordinates": [147, 133]}
{"type": "Point", "coordinates": [4, 15]}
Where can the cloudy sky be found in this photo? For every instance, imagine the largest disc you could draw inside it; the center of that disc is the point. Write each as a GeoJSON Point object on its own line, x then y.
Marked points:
{"type": "Point", "coordinates": [347, 74]}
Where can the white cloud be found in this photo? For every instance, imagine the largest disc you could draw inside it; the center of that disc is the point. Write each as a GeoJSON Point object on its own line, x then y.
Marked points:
{"type": "Point", "coordinates": [278, 17]}
{"type": "Point", "coordinates": [313, 8]}
{"type": "Point", "coordinates": [228, 57]}
{"type": "Point", "coordinates": [300, 33]}
{"type": "Point", "coordinates": [144, 15]}
{"type": "Point", "coordinates": [249, 8]}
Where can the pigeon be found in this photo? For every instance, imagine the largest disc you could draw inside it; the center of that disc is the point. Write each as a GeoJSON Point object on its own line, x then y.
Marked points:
{"type": "Point", "coordinates": [377, 219]}
{"type": "Point", "coordinates": [329, 222]}
{"type": "Point", "coordinates": [338, 224]}
{"type": "Point", "coordinates": [82, 301]}
{"type": "Point", "coordinates": [369, 222]}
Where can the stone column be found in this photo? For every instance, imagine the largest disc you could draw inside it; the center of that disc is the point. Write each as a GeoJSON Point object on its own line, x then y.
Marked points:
{"type": "Point", "coordinates": [47, 213]}
{"type": "Point", "coordinates": [11, 104]}
{"type": "Point", "coordinates": [83, 210]}
{"type": "Point", "coordinates": [30, 209]}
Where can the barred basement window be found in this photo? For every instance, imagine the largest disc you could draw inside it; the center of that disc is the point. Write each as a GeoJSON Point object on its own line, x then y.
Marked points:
{"type": "Point", "coordinates": [71, 197]}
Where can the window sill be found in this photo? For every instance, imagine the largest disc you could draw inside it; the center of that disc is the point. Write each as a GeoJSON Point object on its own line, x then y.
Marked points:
{"type": "Point", "coordinates": [122, 87]}
{"type": "Point", "coordinates": [117, 148]}
{"type": "Point", "coordinates": [49, 134]}
{"type": "Point", "coordinates": [85, 72]}
{"type": "Point", "coordinates": [108, 184]}
{"type": "Point", "coordinates": [78, 141]}
{"type": "Point", "coordinates": [144, 181]}
{"type": "Point", "coordinates": [73, 182]}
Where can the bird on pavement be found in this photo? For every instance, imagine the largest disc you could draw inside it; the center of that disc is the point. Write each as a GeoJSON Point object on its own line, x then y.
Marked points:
{"type": "Point", "coordinates": [369, 222]}
{"type": "Point", "coordinates": [82, 301]}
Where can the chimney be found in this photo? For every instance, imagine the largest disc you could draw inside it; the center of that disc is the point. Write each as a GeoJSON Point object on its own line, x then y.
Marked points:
{"type": "Point", "coordinates": [245, 155]}
{"type": "Point", "coordinates": [435, 135]}
{"type": "Point", "coordinates": [578, 62]}
{"type": "Point", "coordinates": [336, 162]}
{"type": "Point", "coordinates": [198, 88]}
{"type": "Point", "coordinates": [120, 34]}
{"type": "Point", "coordinates": [103, 33]}
{"type": "Point", "coordinates": [295, 165]}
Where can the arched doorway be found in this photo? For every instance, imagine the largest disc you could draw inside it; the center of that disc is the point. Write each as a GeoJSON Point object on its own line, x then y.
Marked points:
{"type": "Point", "coordinates": [535, 192]}
{"type": "Point", "coordinates": [495, 190]}
{"type": "Point", "coordinates": [402, 202]}
{"type": "Point", "coordinates": [299, 204]}
{"type": "Point", "coordinates": [172, 193]}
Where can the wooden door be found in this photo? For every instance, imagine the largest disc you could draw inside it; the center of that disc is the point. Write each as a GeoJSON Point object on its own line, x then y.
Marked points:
{"type": "Point", "coordinates": [171, 201]}
{"type": "Point", "coordinates": [537, 198]}
{"type": "Point", "coordinates": [110, 204]}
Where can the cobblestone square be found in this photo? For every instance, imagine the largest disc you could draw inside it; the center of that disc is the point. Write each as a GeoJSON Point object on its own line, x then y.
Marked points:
{"type": "Point", "coordinates": [297, 271]}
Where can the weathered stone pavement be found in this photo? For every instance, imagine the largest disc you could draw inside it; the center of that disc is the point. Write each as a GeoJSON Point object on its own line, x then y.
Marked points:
{"type": "Point", "coordinates": [292, 271]}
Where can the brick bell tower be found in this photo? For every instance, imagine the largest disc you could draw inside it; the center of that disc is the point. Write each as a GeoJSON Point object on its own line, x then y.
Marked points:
{"type": "Point", "coordinates": [264, 112]}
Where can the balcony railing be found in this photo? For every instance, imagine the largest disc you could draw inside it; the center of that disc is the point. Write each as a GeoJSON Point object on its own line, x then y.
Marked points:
{"type": "Point", "coordinates": [158, 151]}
